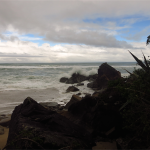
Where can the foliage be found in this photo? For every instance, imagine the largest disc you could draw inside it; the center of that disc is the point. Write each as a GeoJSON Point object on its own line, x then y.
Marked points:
{"type": "Point", "coordinates": [136, 90]}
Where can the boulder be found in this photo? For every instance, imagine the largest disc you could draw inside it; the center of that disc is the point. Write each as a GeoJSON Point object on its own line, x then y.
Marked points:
{"type": "Point", "coordinates": [110, 72]}
{"type": "Point", "coordinates": [91, 78]}
{"type": "Point", "coordinates": [105, 73]}
{"type": "Point", "coordinates": [73, 99]}
{"type": "Point", "coordinates": [78, 94]}
{"type": "Point", "coordinates": [95, 115]}
{"type": "Point", "coordinates": [72, 89]}
{"type": "Point", "coordinates": [76, 78]}
{"type": "Point", "coordinates": [102, 81]}
{"type": "Point", "coordinates": [92, 84]}
{"type": "Point", "coordinates": [63, 80]}
{"type": "Point", "coordinates": [34, 127]}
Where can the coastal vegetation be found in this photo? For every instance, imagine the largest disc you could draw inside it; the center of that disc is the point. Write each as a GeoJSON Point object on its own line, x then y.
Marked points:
{"type": "Point", "coordinates": [136, 109]}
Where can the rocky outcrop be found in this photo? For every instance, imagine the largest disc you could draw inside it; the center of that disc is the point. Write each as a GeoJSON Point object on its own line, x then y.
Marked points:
{"type": "Point", "coordinates": [63, 80]}
{"type": "Point", "coordinates": [98, 117]}
{"type": "Point", "coordinates": [72, 89]}
{"type": "Point", "coordinates": [73, 99]}
{"type": "Point", "coordinates": [110, 72]}
{"type": "Point", "coordinates": [34, 127]}
{"type": "Point", "coordinates": [105, 74]}
{"type": "Point", "coordinates": [77, 78]}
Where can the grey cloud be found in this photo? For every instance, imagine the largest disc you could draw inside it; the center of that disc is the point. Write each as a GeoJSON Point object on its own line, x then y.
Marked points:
{"type": "Point", "coordinates": [8, 38]}
{"type": "Point", "coordinates": [17, 55]}
{"type": "Point", "coordinates": [88, 37]}
{"type": "Point", "coordinates": [42, 18]}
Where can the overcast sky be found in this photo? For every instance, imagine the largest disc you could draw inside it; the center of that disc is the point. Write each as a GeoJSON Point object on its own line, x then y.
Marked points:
{"type": "Point", "coordinates": [52, 31]}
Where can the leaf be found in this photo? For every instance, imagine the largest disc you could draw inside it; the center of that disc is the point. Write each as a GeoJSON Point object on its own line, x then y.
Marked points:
{"type": "Point", "coordinates": [139, 62]}
{"type": "Point", "coordinates": [128, 71]}
{"type": "Point", "coordinates": [145, 61]}
{"type": "Point", "coordinates": [148, 40]}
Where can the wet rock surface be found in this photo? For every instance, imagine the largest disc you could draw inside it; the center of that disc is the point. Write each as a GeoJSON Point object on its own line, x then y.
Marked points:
{"type": "Point", "coordinates": [105, 74]}
{"type": "Point", "coordinates": [77, 78]}
{"type": "Point", "coordinates": [63, 80]}
{"type": "Point", "coordinates": [72, 89]}
{"type": "Point", "coordinates": [34, 127]}
{"type": "Point", "coordinates": [74, 98]}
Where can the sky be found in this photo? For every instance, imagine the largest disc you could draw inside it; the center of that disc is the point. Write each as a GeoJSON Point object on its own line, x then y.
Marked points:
{"type": "Point", "coordinates": [51, 31]}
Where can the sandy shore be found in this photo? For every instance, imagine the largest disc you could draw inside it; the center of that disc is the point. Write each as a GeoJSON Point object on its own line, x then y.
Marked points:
{"type": "Point", "coordinates": [3, 138]}
{"type": "Point", "coordinates": [10, 99]}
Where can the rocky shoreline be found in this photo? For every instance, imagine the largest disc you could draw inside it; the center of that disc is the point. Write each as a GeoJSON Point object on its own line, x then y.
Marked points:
{"type": "Point", "coordinates": [90, 122]}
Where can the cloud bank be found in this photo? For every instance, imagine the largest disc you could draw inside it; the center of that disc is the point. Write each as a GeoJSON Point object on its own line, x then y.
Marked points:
{"type": "Point", "coordinates": [80, 30]}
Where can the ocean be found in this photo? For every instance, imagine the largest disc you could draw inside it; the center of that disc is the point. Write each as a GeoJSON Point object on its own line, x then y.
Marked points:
{"type": "Point", "coordinates": [28, 78]}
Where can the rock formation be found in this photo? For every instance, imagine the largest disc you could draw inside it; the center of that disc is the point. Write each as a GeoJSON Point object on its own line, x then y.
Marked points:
{"type": "Point", "coordinates": [77, 78]}
{"type": "Point", "coordinates": [34, 127]}
{"type": "Point", "coordinates": [72, 89]}
{"type": "Point", "coordinates": [105, 73]}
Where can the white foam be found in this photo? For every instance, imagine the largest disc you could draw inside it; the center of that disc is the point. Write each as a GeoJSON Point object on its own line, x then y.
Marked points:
{"type": "Point", "coordinates": [80, 70]}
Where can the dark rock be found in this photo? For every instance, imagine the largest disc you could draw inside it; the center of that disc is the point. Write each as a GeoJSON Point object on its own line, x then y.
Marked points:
{"type": "Point", "coordinates": [63, 80]}
{"type": "Point", "coordinates": [95, 94]}
{"type": "Point", "coordinates": [82, 106]}
{"type": "Point", "coordinates": [80, 84]}
{"type": "Point", "coordinates": [105, 73]}
{"type": "Point", "coordinates": [76, 78]}
{"type": "Point", "coordinates": [92, 77]}
{"type": "Point", "coordinates": [92, 112]}
{"type": "Point", "coordinates": [113, 96]}
{"type": "Point", "coordinates": [34, 127]}
{"type": "Point", "coordinates": [110, 72]}
{"type": "Point", "coordinates": [74, 99]}
{"type": "Point", "coordinates": [78, 94]}
{"type": "Point", "coordinates": [72, 89]}
{"type": "Point", "coordinates": [102, 81]}
{"type": "Point", "coordinates": [87, 94]}
{"type": "Point", "coordinates": [93, 84]}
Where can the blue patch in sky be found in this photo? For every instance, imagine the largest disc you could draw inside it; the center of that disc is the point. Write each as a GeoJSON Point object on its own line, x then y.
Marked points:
{"type": "Point", "coordinates": [128, 26]}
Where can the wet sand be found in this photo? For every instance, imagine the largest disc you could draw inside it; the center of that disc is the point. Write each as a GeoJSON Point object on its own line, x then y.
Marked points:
{"type": "Point", "coordinates": [10, 99]}
{"type": "Point", "coordinates": [3, 138]}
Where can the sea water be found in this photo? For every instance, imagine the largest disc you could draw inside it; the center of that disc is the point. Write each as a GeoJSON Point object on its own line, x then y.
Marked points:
{"type": "Point", "coordinates": [32, 76]}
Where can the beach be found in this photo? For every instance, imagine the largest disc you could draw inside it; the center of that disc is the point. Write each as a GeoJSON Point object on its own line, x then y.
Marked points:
{"type": "Point", "coordinates": [41, 83]}
{"type": "Point", "coordinates": [3, 138]}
